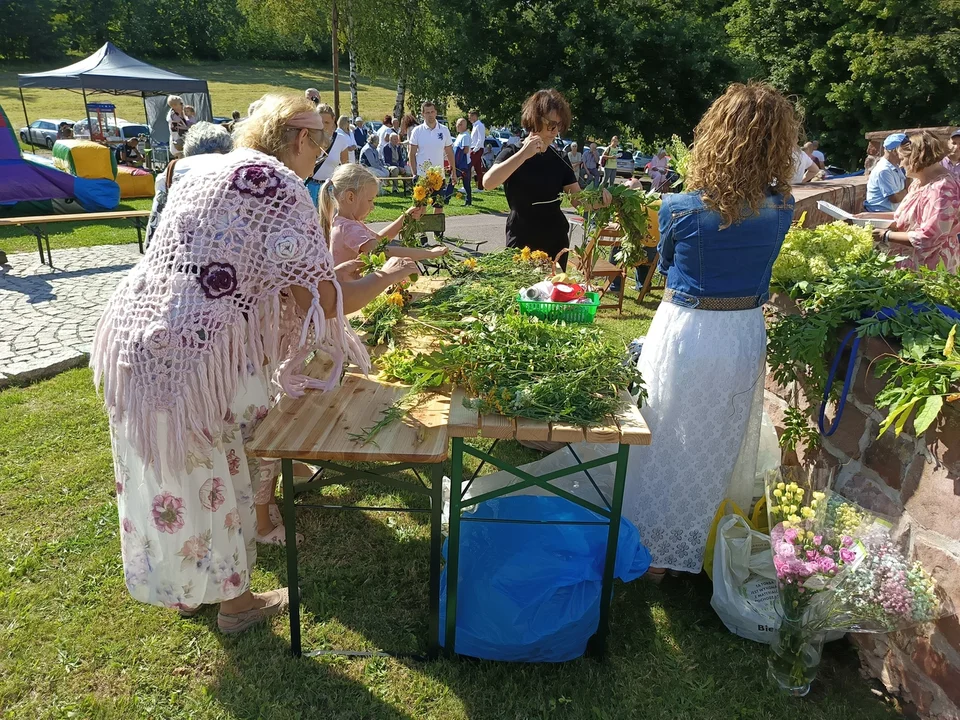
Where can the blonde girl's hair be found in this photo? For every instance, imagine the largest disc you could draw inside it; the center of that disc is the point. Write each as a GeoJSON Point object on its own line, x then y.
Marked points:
{"type": "Point", "coordinates": [345, 178]}
{"type": "Point", "coordinates": [743, 149]}
{"type": "Point", "coordinates": [266, 130]}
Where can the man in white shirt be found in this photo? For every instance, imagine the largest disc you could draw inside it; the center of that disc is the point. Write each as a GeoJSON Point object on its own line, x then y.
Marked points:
{"type": "Point", "coordinates": [478, 136]}
{"type": "Point", "coordinates": [463, 154]}
{"type": "Point", "coordinates": [818, 156]}
{"type": "Point", "coordinates": [804, 168]}
{"type": "Point", "coordinates": [430, 142]}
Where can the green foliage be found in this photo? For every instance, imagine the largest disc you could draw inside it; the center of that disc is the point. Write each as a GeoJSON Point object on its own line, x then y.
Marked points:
{"type": "Point", "coordinates": [630, 208]}
{"type": "Point", "coordinates": [921, 373]}
{"type": "Point", "coordinates": [855, 67]}
{"type": "Point", "coordinates": [812, 253]}
{"type": "Point", "coordinates": [378, 319]}
{"type": "Point", "coordinates": [648, 66]}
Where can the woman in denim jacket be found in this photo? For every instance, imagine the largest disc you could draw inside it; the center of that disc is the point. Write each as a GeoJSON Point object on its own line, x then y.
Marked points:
{"type": "Point", "coordinates": [703, 358]}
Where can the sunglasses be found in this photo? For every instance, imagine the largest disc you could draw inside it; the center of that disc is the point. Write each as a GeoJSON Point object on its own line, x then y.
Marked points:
{"type": "Point", "coordinates": [551, 125]}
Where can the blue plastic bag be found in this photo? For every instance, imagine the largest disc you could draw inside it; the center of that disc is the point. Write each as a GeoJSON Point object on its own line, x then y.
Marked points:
{"type": "Point", "coordinates": [529, 592]}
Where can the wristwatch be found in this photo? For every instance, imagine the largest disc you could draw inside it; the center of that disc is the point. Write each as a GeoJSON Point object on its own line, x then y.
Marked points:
{"type": "Point", "coordinates": [886, 237]}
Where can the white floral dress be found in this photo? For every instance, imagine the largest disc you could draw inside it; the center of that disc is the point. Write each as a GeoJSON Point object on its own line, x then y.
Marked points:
{"type": "Point", "coordinates": [191, 538]}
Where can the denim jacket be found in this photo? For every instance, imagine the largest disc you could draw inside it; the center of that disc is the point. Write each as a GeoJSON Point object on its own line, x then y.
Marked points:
{"type": "Point", "coordinates": [700, 260]}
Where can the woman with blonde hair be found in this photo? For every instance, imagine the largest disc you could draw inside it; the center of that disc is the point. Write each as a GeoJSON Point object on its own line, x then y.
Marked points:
{"type": "Point", "coordinates": [346, 200]}
{"type": "Point", "coordinates": [703, 357]}
{"type": "Point", "coordinates": [927, 222]}
{"type": "Point", "coordinates": [236, 290]}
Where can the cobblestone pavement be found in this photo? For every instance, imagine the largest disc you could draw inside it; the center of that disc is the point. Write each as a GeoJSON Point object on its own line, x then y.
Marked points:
{"type": "Point", "coordinates": [48, 315]}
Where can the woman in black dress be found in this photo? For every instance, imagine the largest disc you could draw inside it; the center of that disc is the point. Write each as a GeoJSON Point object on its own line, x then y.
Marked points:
{"type": "Point", "coordinates": [535, 175]}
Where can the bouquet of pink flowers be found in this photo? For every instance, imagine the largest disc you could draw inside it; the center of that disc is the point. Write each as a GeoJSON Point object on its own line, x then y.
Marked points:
{"type": "Point", "coordinates": [838, 567]}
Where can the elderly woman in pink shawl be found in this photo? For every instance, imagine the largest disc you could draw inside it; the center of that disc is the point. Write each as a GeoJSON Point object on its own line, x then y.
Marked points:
{"type": "Point", "coordinates": [235, 291]}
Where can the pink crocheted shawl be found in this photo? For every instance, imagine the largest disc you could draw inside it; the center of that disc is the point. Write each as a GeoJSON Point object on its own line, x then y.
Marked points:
{"type": "Point", "coordinates": [206, 306]}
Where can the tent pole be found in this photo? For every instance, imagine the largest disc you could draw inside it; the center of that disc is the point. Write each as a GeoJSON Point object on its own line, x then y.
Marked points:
{"type": "Point", "coordinates": [146, 117]}
{"type": "Point", "coordinates": [87, 112]}
{"type": "Point", "coordinates": [23, 102]}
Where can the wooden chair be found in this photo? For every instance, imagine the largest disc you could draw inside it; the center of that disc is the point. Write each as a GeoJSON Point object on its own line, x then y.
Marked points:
{"type": "Point", "coordinates": [601, 272]}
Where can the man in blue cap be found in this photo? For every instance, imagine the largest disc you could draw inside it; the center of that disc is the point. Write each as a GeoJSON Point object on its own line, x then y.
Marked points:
{"type": "Point", "coordinates": [887, 184]}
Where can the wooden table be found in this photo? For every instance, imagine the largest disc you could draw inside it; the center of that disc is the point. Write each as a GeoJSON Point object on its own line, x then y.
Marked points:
{"type": "Point", "coordinates": [319, 428]}
{"type": "Point", "coordinates": [37, 225]}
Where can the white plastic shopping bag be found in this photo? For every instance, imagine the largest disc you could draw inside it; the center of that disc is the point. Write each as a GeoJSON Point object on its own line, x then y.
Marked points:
{"type": "Point", "coordinates": [744, 580]}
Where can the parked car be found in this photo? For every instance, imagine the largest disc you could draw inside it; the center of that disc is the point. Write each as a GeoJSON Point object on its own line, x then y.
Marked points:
{"type": "Point", "coordinates": [372, 126]}
{"type": "Point", "coordinates": [116, 134]}
{"type": "Point", "coordinates": [494, 143]}
{"type": "Point", "coordinates": [42, 133]}
{"type": "Point", "coordinates": [640, 161]}
{"type": "Point", "coordinates": [625, 163]}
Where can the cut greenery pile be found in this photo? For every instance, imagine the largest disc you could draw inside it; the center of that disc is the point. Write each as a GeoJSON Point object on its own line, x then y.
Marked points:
{"type": "Point", "coordinates": [505, 362]}
{"type": "Point", "coordinates": [878, 300]}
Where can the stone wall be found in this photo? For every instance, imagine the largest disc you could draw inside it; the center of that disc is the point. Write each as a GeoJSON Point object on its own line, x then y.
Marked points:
{"type": "Point", "coordinates": [846, 193]}
{"type": "Point", "coordinates": [914, 479]}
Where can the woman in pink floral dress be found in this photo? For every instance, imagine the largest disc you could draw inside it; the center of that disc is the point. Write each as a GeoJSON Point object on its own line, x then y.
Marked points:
{"type": "Point", "coordinates": [233, 294]}
{"type": "Point", "coordinates": [927, 222]}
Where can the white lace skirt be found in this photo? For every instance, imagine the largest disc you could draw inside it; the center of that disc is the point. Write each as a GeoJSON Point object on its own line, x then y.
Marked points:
{"type": "Point", "coordinates": [704, 374]}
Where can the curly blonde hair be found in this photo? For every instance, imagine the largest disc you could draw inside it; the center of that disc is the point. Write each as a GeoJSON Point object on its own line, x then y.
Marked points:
{"type": "Point", "coordinates": [266, 129]}
{"type": "Point", "coordinates": [744, 148]}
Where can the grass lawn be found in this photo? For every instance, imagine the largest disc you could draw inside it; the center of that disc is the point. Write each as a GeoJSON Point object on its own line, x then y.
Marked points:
{"type": "Point", "coordinates": [76, 645]}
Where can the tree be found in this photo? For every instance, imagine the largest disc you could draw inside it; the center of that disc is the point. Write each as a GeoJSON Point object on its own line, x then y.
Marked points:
{"type": "Point", "coordinates": [27, 31]}
{"type": "Point", "coordinates": [855, 67]}
{"type": "Point", "coordinates": [649, 66]}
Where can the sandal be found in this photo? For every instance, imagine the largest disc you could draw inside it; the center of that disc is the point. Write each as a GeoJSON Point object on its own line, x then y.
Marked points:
{"type": "Point", "coordinates": [189, 612]}
{"type": "Point", "coordinates": [276, 603]}
{"type": "Point", "coordinates": [278, 536]}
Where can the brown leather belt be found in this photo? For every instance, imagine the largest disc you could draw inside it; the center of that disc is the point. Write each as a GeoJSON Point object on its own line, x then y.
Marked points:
{"type": "Point", "coordinates": [713, 303]}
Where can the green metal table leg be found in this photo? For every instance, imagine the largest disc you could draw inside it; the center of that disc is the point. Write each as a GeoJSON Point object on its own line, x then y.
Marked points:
{"type": "Point", "coordinates": [598, 643]}
{"type": "Point", "coordinates": [453, 545]}
{"type": "Point", "coordinates": [293, 576]}
{"type": "Point", "coordinates": [436, 540]}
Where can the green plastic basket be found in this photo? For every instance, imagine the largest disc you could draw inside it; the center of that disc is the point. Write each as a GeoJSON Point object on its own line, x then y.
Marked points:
{"type": "Point", "coordinates": [567, 312]}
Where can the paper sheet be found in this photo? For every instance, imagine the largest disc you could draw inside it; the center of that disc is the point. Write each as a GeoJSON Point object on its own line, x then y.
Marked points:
{"type": "Point", "coordinates": [833, 211]}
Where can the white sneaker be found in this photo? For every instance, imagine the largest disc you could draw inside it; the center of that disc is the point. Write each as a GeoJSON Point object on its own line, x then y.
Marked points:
{"type": "Point", "coordinates": [477, 190]}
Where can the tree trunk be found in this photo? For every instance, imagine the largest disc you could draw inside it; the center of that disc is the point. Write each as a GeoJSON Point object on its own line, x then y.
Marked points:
{"type": "Point", "coordinates": [354, 96]}
{"type": "Point", "coordinates": [401, 97]}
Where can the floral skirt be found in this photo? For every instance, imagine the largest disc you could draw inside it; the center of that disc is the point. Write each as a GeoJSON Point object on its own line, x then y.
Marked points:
{"type": "Point", "coordinates": [704, 373]}
{"type": "Point", "coordinates": [190, 538]}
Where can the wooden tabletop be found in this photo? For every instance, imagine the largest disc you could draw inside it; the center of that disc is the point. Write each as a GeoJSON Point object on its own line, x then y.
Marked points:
{"type": "Point", "coordinates": [319, 425]}
{"type": "Point", "coordinates": [627, 428]}
{"type": "Point", "coordinates": [75, 217]}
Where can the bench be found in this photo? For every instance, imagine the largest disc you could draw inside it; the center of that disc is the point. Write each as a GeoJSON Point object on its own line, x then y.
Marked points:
{"type": "Point", "coordinates": [37, 225]}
